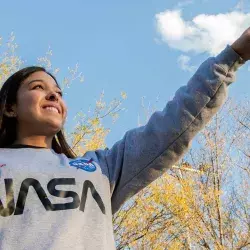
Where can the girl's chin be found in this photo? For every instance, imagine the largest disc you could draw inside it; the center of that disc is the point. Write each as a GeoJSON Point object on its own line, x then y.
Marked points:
{"type": "Point", "coordinates": [54, 126]}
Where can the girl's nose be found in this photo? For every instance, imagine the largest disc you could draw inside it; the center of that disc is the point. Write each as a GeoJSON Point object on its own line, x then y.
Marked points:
{"type": "Point", "coordinates": [52, 97]}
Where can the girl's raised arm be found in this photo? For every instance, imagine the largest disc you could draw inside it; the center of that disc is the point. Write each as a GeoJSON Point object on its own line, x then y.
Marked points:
{"type": "Point", "coordinates": [145, 153]}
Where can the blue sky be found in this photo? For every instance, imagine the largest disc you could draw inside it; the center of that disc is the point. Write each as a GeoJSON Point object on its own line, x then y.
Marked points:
{"type": "Point", "coordinates": [120, 46]}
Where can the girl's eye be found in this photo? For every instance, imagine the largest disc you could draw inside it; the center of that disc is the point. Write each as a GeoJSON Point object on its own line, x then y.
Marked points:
{"type": "Point", "coordinates": [38, 86]}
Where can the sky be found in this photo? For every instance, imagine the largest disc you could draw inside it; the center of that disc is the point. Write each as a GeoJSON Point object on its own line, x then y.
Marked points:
{"type": "Point", "coordinates": [147, 48]}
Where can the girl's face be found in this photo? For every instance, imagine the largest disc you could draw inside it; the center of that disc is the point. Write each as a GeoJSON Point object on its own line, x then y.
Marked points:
{"type": "Point", "coordinates": [40, 107]}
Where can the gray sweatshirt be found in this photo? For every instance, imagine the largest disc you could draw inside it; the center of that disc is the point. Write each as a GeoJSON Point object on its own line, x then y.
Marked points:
{"type": "Point", "coordinates": [48, 201]}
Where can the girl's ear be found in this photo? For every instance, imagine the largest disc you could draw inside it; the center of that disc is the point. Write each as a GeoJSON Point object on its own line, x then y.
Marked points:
{"type": "Point", "coordinates": [10, 111]}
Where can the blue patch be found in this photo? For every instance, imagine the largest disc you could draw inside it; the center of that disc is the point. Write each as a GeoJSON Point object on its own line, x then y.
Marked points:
{"type": "Point", "coordinates": [83, 164]}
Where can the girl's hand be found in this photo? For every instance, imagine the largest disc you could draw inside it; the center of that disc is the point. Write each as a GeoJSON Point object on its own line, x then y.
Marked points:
{"type": "Point", "coordinates": [242, 45]}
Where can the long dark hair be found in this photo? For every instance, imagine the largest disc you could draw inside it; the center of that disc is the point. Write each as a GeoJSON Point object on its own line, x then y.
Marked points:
{"type": "Point", "coordinates": [8, 125]}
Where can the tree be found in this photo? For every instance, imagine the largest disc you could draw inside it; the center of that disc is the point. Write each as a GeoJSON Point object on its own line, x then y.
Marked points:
{"type": "Point", "coordinates": [203, 202]}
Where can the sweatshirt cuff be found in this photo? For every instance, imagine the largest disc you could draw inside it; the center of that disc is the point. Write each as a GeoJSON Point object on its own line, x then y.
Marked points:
{"type": "Point", "coordinates": [229, 60]}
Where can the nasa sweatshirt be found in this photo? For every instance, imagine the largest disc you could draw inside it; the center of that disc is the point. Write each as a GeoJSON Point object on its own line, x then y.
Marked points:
{"type": "Point", "coordinates": [48, 201]}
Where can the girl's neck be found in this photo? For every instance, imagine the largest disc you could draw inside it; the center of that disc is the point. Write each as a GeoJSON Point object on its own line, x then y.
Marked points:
{"type": "Point", "coordinates": [37, 141]}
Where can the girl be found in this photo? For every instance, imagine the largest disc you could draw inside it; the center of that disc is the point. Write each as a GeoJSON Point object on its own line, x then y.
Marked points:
{"type": "Point", "coordinates": [51, 199]}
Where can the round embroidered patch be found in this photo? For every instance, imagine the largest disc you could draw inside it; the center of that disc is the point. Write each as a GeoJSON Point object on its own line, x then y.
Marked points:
{"type": "Point", "coordinates": [83, 164]}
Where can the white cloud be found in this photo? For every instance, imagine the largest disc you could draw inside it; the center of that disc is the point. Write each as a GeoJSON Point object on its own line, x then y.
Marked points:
{"type": "Point", "coordinates": [184, 63]}
{"type": "Point", "coordinates": [204, 33]}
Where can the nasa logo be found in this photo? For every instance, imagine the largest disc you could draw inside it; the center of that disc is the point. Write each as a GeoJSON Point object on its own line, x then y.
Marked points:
{"type": "Point", "coordinates": [16, 205]}
{"type": "Point", "coordinates": [83, 164]}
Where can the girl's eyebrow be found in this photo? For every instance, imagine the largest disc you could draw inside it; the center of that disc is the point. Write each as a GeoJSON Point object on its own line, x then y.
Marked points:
{"type": "Point", "coordinates": [40, 80]}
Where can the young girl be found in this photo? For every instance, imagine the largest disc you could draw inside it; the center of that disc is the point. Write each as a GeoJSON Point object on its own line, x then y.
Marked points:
{"type": "Point", "coordinates": [51, 199]}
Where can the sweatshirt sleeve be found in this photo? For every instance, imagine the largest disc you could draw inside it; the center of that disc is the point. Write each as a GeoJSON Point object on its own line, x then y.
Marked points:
{"type": "Point", "coordinates": [145, 153]}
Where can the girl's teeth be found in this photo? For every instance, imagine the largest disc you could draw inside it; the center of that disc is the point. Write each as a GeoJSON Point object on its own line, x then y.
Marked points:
{"type": "Point", "coordinates": [52, 109]}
